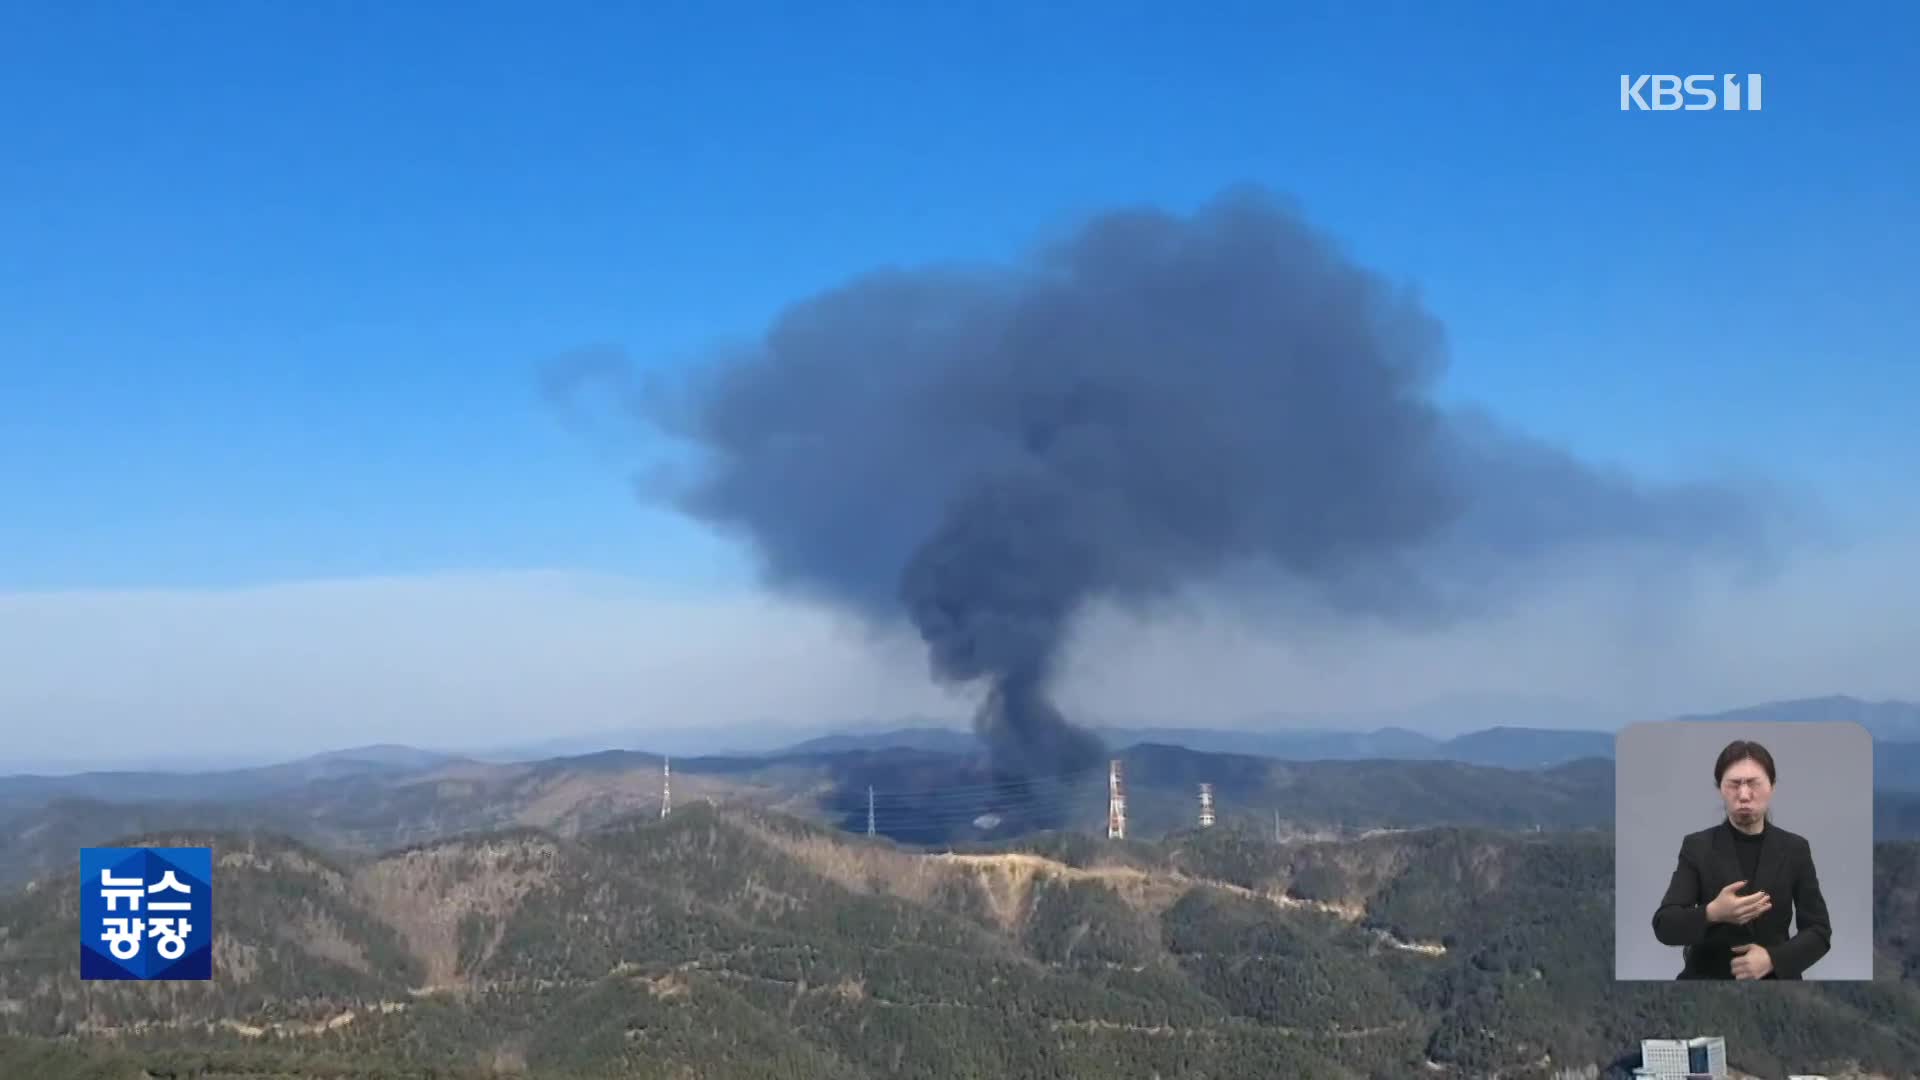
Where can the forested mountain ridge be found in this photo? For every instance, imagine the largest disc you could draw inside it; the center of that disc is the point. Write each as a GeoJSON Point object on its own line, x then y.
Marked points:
{"type": "Point", "coordinates": [744, 943]}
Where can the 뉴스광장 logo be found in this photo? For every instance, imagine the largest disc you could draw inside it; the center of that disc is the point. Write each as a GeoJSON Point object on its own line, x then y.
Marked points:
{"type": "Point", "coordinates": [146, 913]}
{"type": "Point", "coordinates": [1693, 93]}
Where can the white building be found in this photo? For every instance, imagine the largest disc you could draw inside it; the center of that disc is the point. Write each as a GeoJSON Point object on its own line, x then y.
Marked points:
{"type": "Point", "coordinates": [1683, 1059]}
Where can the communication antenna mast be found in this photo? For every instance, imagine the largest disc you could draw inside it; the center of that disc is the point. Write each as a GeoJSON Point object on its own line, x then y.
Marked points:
{"type": "Point", "coordinates": [1116, 803]}
{"type": "Point", "coordinates": [869, 809]}
{"type": "Point", "coordinates": [1206, 806]}
{"type": "Point", "coordinates": [666, 786]}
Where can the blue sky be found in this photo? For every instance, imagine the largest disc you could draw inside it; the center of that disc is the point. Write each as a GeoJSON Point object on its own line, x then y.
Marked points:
{"type": "Point", "coordinates": [276, 280]}
{"type": "Point", "coordinates": [275, 277]}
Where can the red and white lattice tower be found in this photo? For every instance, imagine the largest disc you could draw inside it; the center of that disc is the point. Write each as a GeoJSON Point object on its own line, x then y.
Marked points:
{"type": "Point", "coordinates": [1206, 806]}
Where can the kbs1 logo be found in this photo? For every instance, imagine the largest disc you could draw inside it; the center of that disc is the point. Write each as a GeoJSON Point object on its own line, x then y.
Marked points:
{"type": "Point", "coordinates": [146, 913]}
{"type": "Point", "coordinates": [1693, 93]}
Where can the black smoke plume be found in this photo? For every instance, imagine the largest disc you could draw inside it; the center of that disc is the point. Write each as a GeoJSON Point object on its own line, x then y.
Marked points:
{"type": "Point", "coordinates": [1154, 401]}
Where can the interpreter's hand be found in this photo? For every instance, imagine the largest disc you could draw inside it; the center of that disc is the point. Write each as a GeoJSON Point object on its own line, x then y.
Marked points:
{"type": "Point", "coordinates": [1728, 908]}
{"type": "Point", "coordinates": [1751, 962]}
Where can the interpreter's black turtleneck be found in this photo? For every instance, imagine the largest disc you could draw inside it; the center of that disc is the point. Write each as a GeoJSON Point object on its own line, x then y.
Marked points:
{"type": "Point", "coordinates": [1747, 847]}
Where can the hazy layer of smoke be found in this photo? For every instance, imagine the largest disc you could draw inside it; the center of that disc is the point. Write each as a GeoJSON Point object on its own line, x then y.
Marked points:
{"type": "Point", "coordinates": [1153, 401]}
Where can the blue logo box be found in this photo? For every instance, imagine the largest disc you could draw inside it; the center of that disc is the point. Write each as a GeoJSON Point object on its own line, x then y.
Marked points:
{"type": "Point", "coordinates": [146, 913]}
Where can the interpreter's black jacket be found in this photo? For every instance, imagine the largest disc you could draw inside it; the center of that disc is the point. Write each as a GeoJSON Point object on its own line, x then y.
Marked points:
{"type": "Point", "coordinates": [1708, 863]}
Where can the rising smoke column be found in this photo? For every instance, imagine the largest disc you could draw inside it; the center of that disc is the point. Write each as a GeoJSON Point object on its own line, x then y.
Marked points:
{"type": "Point", "coordinates": [1153, 401]}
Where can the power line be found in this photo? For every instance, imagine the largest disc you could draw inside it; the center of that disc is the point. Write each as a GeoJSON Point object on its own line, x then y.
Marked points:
{"type": "Point", "coordinates": [993, 787]}
{"type": "Point", "coordinates": [1053, 808]}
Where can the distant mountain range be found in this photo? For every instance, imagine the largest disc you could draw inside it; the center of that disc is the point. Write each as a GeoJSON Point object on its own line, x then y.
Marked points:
{"type": "Point", "coordinates": [1403, 733]}
{"type": "Point", "coordinates": [1501, 747]}
{"type": "Point", "coordinates": [221, 784]}
{"type": "Point", "coordinates": [1890, 722]}
{"type": "Point", "coordinates": [918, 796]}
{"type": "Point", "coordinates": [1510, 733]}
{"type": "Point", "coordinates": [372, 802]}
{"type": "Point", "coordinates": [1895, 726]}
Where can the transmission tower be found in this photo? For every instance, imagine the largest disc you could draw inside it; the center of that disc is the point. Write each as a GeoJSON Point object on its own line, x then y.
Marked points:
{"type": "Point", "coordinates": [869, 809]}
{"type": "Point", "coordinates": [666, 786]}
{"type": "Point", "coordinates": [1116, 803]}
{"type": "Point", "coordinates": [1206, 806]}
